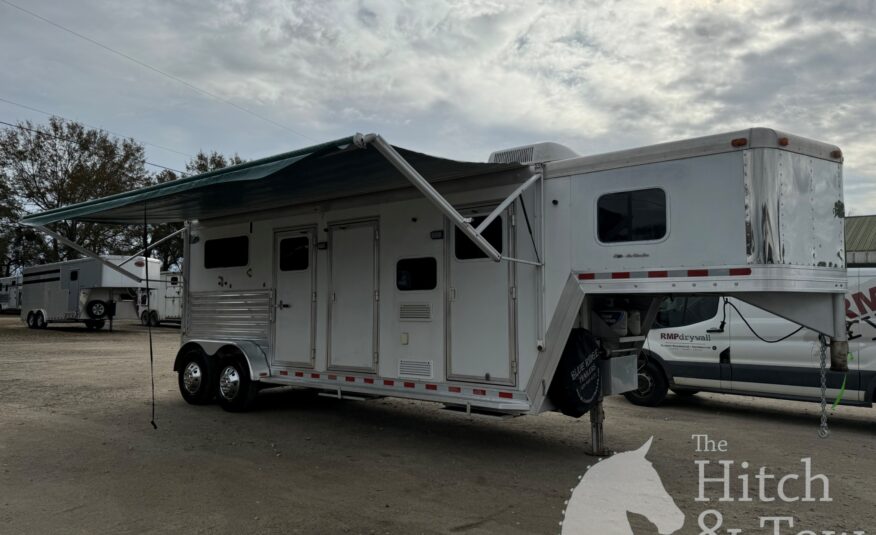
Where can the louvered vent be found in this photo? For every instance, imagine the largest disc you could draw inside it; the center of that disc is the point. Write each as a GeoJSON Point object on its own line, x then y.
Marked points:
{"type": "Point", "coordinates": [523, 155]}
{"type": "Point", "coordinates": [415, 368]}
{"type": "Point", "coordinates": [415, 312]}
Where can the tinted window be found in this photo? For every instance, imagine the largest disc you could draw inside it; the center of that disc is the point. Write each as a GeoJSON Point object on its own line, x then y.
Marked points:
{"type": "Point", "coordinates": [683, 311]}
{"type": "Point", "coordinates": [465, 249]}
{"type": "Point", "coordinates": [174, 281]}
{"type": "Point", "coordinates": [416, 274]}
{"type": "Point", "coordinates": [294, 254]}
{"type": "Point", "coordinates": [74, 275]}
{"type": "Point", "coordinates": [226, 252]}
{"type": "Point", "coordinates": [632, 216]}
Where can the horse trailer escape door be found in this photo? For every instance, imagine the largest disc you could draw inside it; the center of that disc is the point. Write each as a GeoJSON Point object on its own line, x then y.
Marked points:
{"type": "Point", "coordinates": [353, 296]}
{"type": "Point", "coordinates": [295, 283]}
{"type": "Point", "coordinates": [73, 293]}
{"type": "Point", "coordinates": [480, 304]}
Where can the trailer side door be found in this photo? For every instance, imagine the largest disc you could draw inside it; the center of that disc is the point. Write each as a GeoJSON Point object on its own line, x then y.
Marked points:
{"type": "Point", "coordinates": [294, 280]}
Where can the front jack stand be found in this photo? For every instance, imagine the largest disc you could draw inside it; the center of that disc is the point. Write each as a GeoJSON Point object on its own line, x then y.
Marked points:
{"type": "Point", "coordinates": [597, 433]}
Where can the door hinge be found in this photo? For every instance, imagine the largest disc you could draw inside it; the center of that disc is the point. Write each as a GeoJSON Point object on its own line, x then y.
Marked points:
{"type": "Point", "coordinates": [513, 220]}
{"type": "Point", "coordinates": [377, 295]}
{"type": "Point", "coordinates": [453, 294]}
{"type": "Point", "coordinates": [513, 366]}
{"type": "Point", "coordinates": [334, 297]}
{"type": "Point", "coordinates": [514, 292]}
{"type": "Point", "coordinates": [313, 297]}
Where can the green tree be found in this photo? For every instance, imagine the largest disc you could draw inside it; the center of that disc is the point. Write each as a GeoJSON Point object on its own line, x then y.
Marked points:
{"type": "Point", "coordinates": [46, 166]}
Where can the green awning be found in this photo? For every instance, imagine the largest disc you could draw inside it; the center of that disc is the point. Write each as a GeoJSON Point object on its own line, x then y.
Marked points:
{"type": "Point", "coordinates": [331, 170]}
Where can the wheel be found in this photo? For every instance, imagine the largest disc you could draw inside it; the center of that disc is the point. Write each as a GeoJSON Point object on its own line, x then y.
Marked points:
{"type": "Point", "coordinates": [652, 385]}
{"type": "Point", "coordinates": [39, 321]}
{"type": "Point", "coordinates": [234, 388]}
{"type": "Point", "coordinates": [144, 319]}
{"type": "Point", "coordinates": [96, 309]}
{"type": "Point", "coordinates": [576, 385]}
{"type": "Point", "coordinates": [195, 379]}
{"type": "Point", "coordinates": [94, 325]}
{"type": "Point", "coordinates": [153, 318]}
{"type": "Point", "coordinates": [29, 321]}
{"type": "Point", "coordinates": [685, 392]}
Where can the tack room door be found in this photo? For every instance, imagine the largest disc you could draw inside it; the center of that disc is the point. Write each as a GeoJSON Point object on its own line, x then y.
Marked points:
{"type": "Point", "coordinates": [480, 303]}
{"type": "Point", "coordinates": [294, 279]}
{"type": "Point", "coordinates": [353, 296]}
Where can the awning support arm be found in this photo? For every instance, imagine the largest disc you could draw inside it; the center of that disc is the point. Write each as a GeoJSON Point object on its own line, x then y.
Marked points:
{"type": "Point", "coordinates": [162, 240]}
{"type": "Point", "coordinates": [504, 204]}
{"type": "Point", "coordinates": [415, 178]}
{"type": "Point", "coordinates": [86, 252]}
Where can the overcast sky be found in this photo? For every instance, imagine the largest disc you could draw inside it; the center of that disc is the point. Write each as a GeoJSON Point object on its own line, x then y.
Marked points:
{"type": "Point", "coordinates": [455, 78]}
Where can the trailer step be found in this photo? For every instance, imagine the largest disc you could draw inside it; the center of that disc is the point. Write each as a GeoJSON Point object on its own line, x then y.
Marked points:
{"type": "Point", "coordinates": [480, 411]}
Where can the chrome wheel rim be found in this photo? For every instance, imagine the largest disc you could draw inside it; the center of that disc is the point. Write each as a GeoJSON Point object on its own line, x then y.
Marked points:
{"type": "Point", "coordinates": [192, 378]}
{"type": "Point", "coordinates": [646, 384]}
{"type": "Point", "coordinates": [229, 383]}
{"type": "Point", "coordinates": [98, 309]}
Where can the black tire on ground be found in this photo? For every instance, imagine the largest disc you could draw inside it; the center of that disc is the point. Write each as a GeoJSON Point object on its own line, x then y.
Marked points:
{"type": "Point", "coordinates": [576, 385]}
{"type": "Point", "coordinates": [144, 318]}
{"type": "Point", "coordinates": [39, 321]}
{"type": "Point", "coordinates": [196, 378]}
{"type": "Point", "coordinates": [30, 320]}
{"type": "Point", "coordinates": [685, 392]}
{"type": "Point", "coordinates": [653, 385]}
{"type": "Point", "coordinates": [94, 325]}
{"type": "Point", "coordinates": [96, 309]}
{"type": "Point", "coordinates": [153, 317]}
{"type": "Point", "coordinates": [234, 388]}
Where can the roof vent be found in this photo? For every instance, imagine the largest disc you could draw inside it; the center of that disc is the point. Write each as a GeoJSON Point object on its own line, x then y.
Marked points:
{"type": "Point", "coordinates": [536, 153]}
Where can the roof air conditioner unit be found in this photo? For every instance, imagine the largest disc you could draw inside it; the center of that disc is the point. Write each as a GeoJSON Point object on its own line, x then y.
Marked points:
{"type": "Point", "coordinates": [535, 153]}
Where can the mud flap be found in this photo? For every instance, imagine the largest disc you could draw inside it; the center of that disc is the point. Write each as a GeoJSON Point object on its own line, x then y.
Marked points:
{"type": "Point", "coordinates": [577, 383]}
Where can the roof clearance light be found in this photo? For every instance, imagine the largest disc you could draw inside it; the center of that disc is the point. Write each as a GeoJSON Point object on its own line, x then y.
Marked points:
{"type": "Point", "coordinates": [783, 141]}
{"type": "Point", "coordinates": [836, 154]}
{"type": "Point", "coordinates": [739, 142]}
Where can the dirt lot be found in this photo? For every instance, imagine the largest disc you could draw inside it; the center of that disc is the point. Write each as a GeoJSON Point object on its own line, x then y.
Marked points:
{"type": "Point", "coordinates": [78, 455]}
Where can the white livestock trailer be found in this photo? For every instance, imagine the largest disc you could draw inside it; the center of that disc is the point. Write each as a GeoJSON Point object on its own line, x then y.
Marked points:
{"type": "Point", "coordinates": [164, 300]}
{"type": "Point", "coordinates": [361, 269]}
{"type": "Point", "coordinates": [10, 293]}
{"type": "Point", "coordinates": [84, 290]}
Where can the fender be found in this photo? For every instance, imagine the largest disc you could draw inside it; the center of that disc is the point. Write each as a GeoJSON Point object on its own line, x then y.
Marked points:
{"type": "Point", "coordinates": [255, 358]}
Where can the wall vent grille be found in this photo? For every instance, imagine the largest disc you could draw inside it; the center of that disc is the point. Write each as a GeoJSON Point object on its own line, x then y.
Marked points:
{"type": "Point", "coordinates": [415, 368]}
{"type": "Point", "coordinates": [415, 312]}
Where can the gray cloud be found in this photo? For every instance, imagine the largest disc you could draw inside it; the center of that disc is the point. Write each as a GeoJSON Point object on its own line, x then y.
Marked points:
{"type": "Point", "coordinates": [457, 78]}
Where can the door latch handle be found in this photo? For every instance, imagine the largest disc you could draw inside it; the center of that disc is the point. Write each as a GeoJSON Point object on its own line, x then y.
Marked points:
{"type": "Point", "coordinates": [281, 304]}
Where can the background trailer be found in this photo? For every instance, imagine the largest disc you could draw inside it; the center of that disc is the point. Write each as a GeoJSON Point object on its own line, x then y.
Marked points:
{"type": "Point", "coordinates": [164, 302]}
{"type": "Point", "coordinates": [516, 286]}
{"type": "Point", "coordinates": [10, 293]}
{"type": "Point", "coordinates": [85, 290]}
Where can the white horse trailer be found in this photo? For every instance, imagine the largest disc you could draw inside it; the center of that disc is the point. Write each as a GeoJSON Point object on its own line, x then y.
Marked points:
{"type": "Point", "coordinates": [164, 301]}
{"type": "Point", "coordinates": [362, 269]}
{"type": "Point", "coordinates": [85, 291]}
{"type": "Point", "coordinates": [10, 293]}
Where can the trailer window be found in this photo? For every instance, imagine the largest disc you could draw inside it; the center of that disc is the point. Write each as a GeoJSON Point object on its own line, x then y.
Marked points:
{"type": "Point", "coordinates": [465, 249]}
{"type": "Point", "coordinates": [294, 254]}
{"type": "Point", "coordinates": [74, 275]}
{"type": "Point", "coordinates": [684, 311]}
{"type": "Point", "coordinates": [226, 252]}
{"type": "Point", "coordinates": [632, 216]}
{"type": "Point", "coordinates": [416, 274]}
{"type": "Point", "coordinates": [174, 281]}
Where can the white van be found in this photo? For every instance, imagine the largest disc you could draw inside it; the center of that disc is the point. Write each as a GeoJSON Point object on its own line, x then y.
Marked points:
{"type": "Point", "coordinates": [694, 347]}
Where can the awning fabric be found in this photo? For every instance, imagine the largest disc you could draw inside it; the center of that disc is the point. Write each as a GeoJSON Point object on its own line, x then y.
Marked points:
{"type": "Point", "coordinates": [321, 172]}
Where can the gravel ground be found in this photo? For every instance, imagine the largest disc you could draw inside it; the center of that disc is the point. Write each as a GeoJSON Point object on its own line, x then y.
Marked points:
{"type": "Point", "coordinates": [78, 454]}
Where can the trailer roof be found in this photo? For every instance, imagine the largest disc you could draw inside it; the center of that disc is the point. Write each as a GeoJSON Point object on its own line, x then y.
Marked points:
{"type": "Point", "coordinates": [321, 172]}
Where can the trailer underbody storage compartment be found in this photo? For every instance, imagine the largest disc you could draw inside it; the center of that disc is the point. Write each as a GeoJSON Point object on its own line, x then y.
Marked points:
{"type": "Point", "coordinates": [520, 285]}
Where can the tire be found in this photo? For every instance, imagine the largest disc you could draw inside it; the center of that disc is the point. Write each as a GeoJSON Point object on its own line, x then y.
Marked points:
{"type": "Point", "coordinates": [39, 321]}
{"type": "Point", "coordinates": [653, 385]}
{"type": "Point", "coordinates": [195, 379]}
{"type": "Point", "coordinates": [685, 392]}
{"type": "Point", "coordinates": [96, 309]}
{"type": "Point", "coordinates": [576, 385]}
{"type": "Point", "coordinates": [29, 321]}
{"type": "Point", "coordinates": [144, 319]}
{"type": "Point", "coordinates": [234, 388]}
{"type": "Point", "coordinates": [94, 325]}
{"type": "Point", "coordinates": [153, 319]}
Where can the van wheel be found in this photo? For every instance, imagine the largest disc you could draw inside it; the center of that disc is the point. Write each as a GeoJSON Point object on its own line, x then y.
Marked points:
{"type": "Point", "coordinates": [144, 319]}
{"type": "Point", "coordinates": [653, 385]}
{"type": "Point", "coordinates": [576, 385]}
{"type": "Point", "coordinates": [235, 390]}
{"type": "Point", "coordinates": [153, 318]}
{"type": "Point", "coordinates": [29, 321]}
{"type": "Point", "coordinates": [39, 321]}
{"type": "Point", "coordinates": [685, 392]}
{"type": "Point", "coordinates": [196, 379]}
{"type": "Point", "coordinates": [96, 309]}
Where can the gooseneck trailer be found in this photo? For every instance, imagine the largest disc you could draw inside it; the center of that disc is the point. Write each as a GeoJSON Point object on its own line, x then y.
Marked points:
{"type": "Point", "coordinates": [362, 269]}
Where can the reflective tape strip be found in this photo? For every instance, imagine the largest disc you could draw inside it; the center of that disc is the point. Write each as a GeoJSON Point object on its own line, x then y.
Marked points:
{"type": "Point", "coordinates": [660, 274]}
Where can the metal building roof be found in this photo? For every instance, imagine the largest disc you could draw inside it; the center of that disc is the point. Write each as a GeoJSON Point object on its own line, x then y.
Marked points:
{"type": "Point", "coordinates": [861, 233]}
{"type": "Point", "coordinates": [339, 168]}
